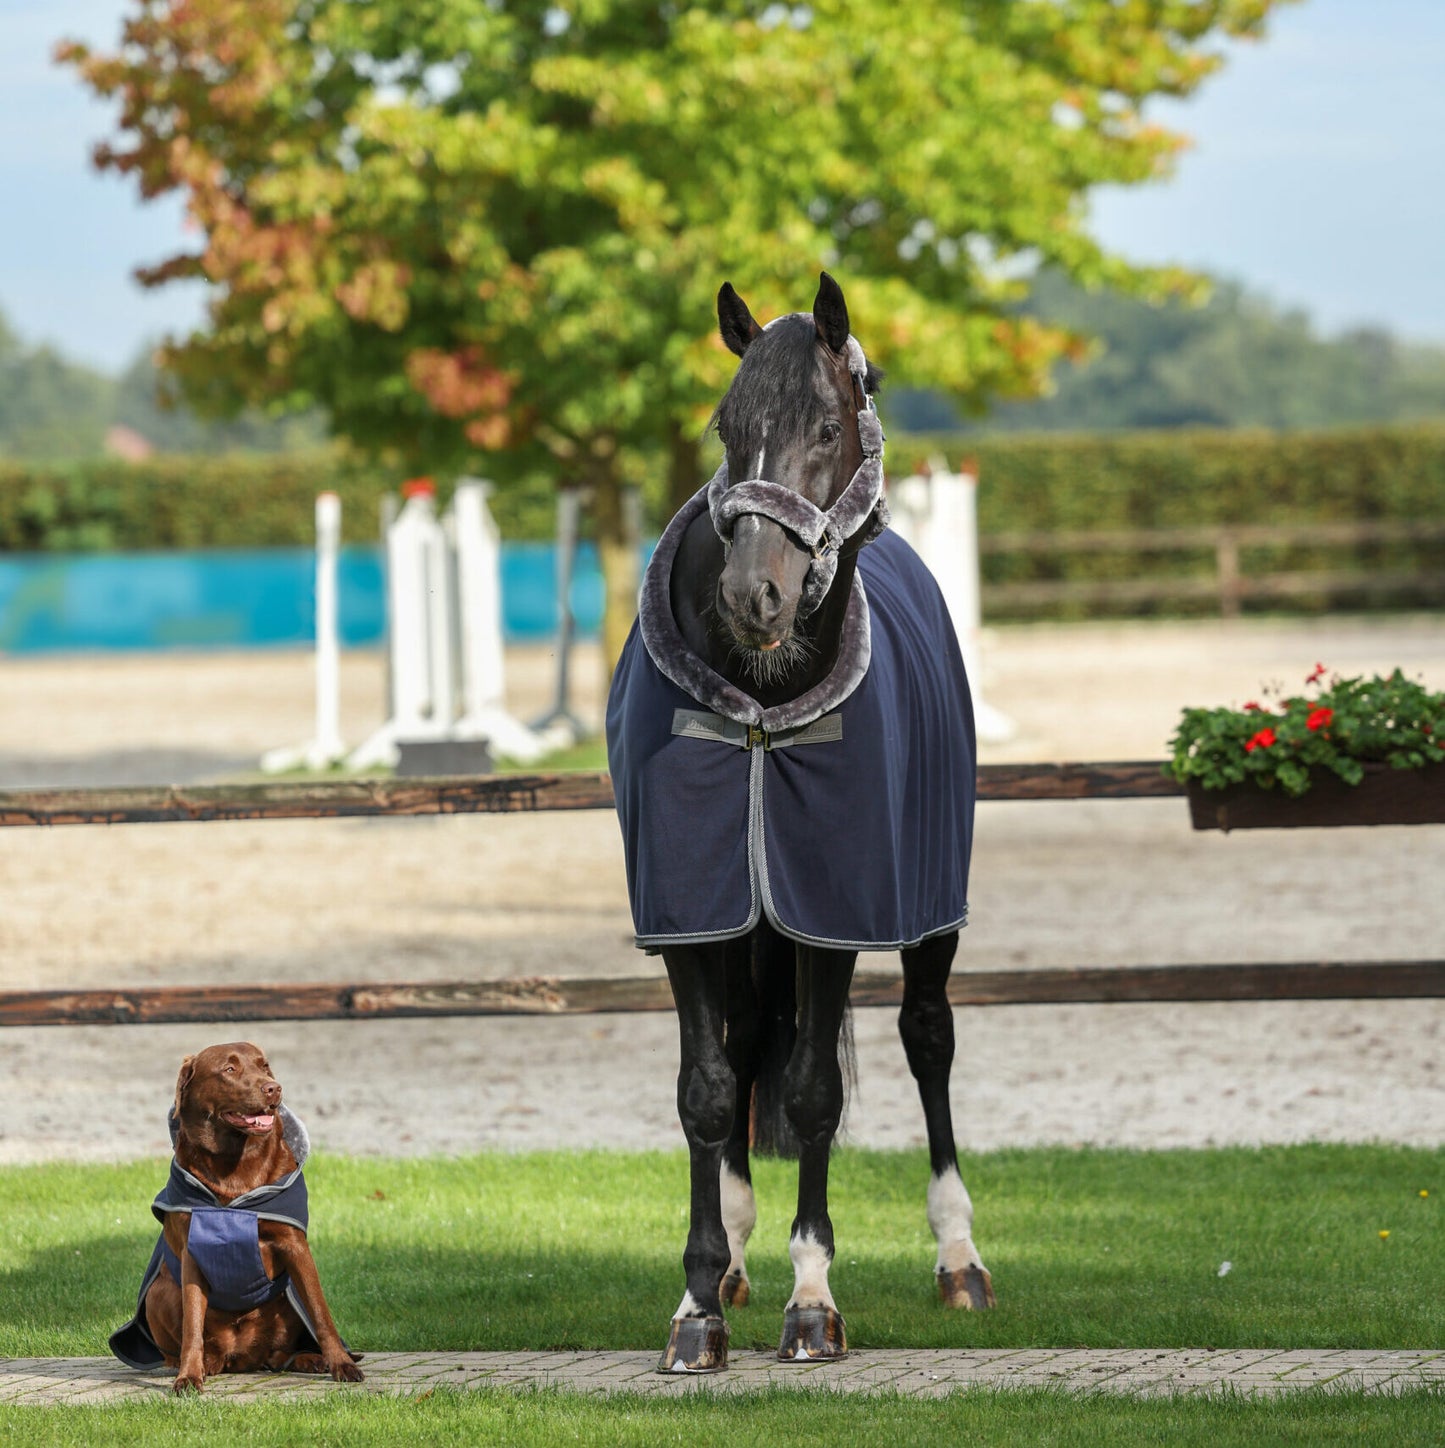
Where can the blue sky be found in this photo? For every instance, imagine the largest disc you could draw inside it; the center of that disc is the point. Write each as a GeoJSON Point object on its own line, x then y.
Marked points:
{"type": "Point", "coordinates": [1317, 177]}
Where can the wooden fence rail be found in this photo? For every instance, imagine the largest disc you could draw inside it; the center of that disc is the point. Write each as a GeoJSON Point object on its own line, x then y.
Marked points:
{"type": "Point", "coordinates": [559, 996]}
{"type": "Point", "coordinates": [513, 794]}
{"type": "Point", "coordinates": [490, 794]}
{"type": "Point", "coordinates": [1230, 582]}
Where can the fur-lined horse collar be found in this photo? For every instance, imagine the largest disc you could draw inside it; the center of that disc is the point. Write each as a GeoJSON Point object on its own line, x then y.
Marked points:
{"type": "Point", "coordinates": [699, 680]}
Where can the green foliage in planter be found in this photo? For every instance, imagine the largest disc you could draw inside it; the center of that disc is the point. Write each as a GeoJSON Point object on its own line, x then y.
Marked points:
{"type": "Point", "coordinates": [1339, 726]}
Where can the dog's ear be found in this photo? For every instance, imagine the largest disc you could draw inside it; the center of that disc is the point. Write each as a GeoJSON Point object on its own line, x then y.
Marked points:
{"type": "Point", "coordinates": [183, 1081]}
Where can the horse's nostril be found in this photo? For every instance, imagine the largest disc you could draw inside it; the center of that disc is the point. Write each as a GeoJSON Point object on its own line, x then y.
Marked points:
{"type": "Point", "coordinates": [757, 603]}
{"type": "Point", "coordinates": [766, 600]}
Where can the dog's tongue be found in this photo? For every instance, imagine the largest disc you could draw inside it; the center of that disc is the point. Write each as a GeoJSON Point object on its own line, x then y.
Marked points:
{"type": "Point", "coordinates": [259, 1123]}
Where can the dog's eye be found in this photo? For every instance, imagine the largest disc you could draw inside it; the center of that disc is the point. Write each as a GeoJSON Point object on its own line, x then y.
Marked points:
{"type": "Point", "coordinates": [230, 1071]}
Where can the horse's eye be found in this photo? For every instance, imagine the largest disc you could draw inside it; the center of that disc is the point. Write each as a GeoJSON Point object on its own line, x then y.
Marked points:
{"type": "Point", "coordinates": [831, 432]}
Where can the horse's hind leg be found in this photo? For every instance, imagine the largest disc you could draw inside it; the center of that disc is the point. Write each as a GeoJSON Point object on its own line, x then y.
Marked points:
{"type": "Point", "coordinates": [813, 1098]}
{"type": "Point", "coordinates": [705, 1090]}
{"type": "Point", "coordinates": [926, 1024]}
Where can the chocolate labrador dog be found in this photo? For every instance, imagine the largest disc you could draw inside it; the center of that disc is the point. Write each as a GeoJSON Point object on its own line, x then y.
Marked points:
{"type": "Point", "coordinates": [232, 1286]}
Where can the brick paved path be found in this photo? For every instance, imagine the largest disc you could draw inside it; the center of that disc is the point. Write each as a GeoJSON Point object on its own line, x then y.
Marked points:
{"type": "Point", "coordinates": [918, 1373]}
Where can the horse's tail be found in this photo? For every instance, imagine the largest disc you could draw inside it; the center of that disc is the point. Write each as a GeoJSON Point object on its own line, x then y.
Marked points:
{"type": "Point", "coordinates": [775, 986]}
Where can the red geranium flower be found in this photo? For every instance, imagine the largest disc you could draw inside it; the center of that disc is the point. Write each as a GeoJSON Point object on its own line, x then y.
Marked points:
{"type": "Point", "coordinates": [1319, 718]}
{"type": "Point", "coordinates": [1262, 740]}
{"type": "Point", "coordinates": [1317, 675]}
{"type": "Point", "coordinates": [1253, 708]}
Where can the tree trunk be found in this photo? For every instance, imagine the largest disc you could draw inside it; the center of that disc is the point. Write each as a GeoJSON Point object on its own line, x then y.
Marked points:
{"type": "Point", "coordinates": [615, 521]}
{"type": "Point", "coordinates": [683, 468]}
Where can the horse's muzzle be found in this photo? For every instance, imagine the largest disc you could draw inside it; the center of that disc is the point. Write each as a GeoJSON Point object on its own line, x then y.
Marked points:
{"type": "Point", "coordinates": [761, 584]}
{"type": "Point", "coordinates": [755, 611]}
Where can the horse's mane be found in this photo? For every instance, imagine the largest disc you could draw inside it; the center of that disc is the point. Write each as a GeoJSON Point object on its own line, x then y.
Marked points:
{"type": "Point", "coordinates": [774, 386]}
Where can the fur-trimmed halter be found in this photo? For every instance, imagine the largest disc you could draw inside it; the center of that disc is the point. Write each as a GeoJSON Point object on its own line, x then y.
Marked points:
{"type": "Point", "coordinates": [823, 532]}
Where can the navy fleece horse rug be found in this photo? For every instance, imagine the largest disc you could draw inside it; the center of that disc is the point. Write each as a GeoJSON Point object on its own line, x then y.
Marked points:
{"type": "Point", "coordinates": [845, 817]}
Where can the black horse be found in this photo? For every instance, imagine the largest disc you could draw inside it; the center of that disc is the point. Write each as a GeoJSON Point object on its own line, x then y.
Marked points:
{"type": "Point", "coordinates": [791, 743]}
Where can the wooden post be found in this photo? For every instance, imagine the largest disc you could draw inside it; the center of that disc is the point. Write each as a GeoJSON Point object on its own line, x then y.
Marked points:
{"type": "Point", "coordinates": [1226, 553]}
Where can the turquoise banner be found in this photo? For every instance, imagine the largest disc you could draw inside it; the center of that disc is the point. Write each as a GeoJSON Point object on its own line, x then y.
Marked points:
{"type": "Point", "coordinates": [246, 598]}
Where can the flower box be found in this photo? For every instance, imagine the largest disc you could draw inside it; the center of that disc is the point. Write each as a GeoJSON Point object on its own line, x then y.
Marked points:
{"type": "Point", "coordinates": [1385, 796]}
{"type": "Point", "coordinates": [1342, 752]}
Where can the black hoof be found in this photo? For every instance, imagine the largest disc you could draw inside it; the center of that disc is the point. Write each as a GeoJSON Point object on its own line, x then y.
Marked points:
{"type": "Point", "coordinates": [734, 1290]}
{"type": "Point", "coordinates": [697, 1345]}
{"type": "Point", "coordinates": [811, 1334]}
{"type": "Point", "coordinates": [972, 1288]}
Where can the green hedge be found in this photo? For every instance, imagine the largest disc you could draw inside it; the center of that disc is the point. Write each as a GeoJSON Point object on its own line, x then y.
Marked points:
{"type": "Point", "coordinates": [1186, 479]}
{"type": "Point", "coordinates": [1198, 478]}
{"type": "Point", "coordinates": [1127, 480]}
{"type": "Point", "coordinates": [231, 501]}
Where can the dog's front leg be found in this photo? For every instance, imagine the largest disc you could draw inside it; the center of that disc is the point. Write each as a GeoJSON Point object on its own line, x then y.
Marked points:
{"type": "Point", "coordinates": [195, 1298]}
{"type": "Point", "coordinates": [295, 1252]}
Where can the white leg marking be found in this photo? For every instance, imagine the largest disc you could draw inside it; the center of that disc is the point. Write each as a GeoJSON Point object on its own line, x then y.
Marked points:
{"type": "Point", "coordinates": [810, 1273]}
{"type": "Point", "coordinates": [739, 1214]}
{"type": "Point", "coordinates": [688, 1308]}
{"type": "Point", "coordinates": [950, 1216]}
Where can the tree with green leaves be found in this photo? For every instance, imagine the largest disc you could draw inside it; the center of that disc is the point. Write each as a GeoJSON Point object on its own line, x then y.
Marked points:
{"type": "Point", "coordinates": [1236, 362]}
{"type": "Point", "coordinates": [473, 228]}
{"type": "Point", "coordinates": [150, 402]}
{"type": "Point", "coordinates": [49, 407]}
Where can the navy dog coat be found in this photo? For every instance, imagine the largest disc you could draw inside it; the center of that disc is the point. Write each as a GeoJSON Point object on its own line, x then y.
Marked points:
{"type": "Point", "coordinates": [225, 1241]}
{"type": "Point", "coordinates": [845, 818]}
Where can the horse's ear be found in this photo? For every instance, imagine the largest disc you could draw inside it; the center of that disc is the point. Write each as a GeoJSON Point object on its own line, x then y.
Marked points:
{"type": "Point", "coordinates": [735, 321]}
{"type": "Point", "coordinates": [830, 313]}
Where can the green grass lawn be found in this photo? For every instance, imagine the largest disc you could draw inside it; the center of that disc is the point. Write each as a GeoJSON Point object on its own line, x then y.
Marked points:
{"type": "Point", "coordinates": [583, 1250]}
{"type": "Point", "coordinates": [978, 1419]}
{"type": "Point", "coordinates": [587, 755]}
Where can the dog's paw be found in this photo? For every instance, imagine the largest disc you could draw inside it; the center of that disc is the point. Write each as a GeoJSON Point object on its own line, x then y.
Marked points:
{"type": "Point", "coordinates": [342, 1367]}
{"type": "Point", "coordinates": [188, 1383]}
{"type": "Point", "coordinates": [344, 1370]}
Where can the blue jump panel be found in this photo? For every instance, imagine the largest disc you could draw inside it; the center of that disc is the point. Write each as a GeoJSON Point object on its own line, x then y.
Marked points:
{"type": "Point", "coordinates": [245, 598]}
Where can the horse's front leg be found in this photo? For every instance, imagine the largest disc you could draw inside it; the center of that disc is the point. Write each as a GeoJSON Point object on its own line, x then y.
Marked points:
{"type": "Point", "coordinates": [743, 1045]}
{"type": "Point", "coordinates": [926, 1024]}
{"type": "Point", "coordinates": [813, 1098]}
{"type": "Point", "coordinates": [705, 1087]}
